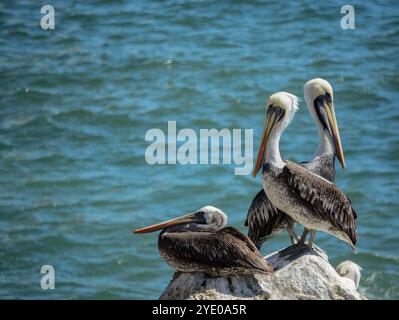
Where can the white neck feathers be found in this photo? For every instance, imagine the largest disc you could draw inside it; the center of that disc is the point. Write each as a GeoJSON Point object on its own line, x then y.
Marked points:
{"type": "Point", "coordinates": [325, 146]}
{"type": "Point", "coordinates": [272, 151]}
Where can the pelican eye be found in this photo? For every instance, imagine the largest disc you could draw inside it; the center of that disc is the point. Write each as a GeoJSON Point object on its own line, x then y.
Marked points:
{"type": "Point", "coordinates": [328, 98]}
{"type": "Point", "coordinates": [271, 108]}
{"type": "Point", "coordinates": [319, 105]}
{"type": "Point", "coordinates": [202, 217]}
{"type": "Point", "coordinates": [279, 111]}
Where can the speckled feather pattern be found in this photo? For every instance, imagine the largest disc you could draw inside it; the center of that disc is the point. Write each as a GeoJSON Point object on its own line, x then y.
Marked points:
{"type": "Point", "coordinates": [314, 202]}
{"type": "Point", "coordinates": [216, 253]}
{"type": "Point", "coordinates": [265, 220]}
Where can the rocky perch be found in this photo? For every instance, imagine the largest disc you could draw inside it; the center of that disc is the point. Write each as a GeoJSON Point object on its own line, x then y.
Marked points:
{"type": "Point", "coordinates": [300, 273]}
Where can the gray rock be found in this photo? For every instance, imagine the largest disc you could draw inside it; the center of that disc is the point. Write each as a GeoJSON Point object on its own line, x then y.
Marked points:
{"type": "Point", "coordinates": [300, 273]}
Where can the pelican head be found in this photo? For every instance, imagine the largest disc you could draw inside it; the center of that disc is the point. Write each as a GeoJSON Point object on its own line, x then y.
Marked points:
{"type": "Point", "coordinates": [319, 99]}
{"type": "Point", "coordinates": [206, 218]}
{"type": "Point", "coordinates": [280, 110]}
{"type": "Point", "coordinates": [350, 270]}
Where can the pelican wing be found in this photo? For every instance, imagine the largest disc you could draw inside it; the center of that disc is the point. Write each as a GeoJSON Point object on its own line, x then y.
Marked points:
{"type": "Point", "coordinates": [323, 198]}
{"type": "Point", "coordinates": [265, 220]}
{"type": "Point", "coordinates": [226, 248]}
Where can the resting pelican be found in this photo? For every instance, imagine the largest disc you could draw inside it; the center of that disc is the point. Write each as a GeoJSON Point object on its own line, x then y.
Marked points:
{"type": "Point", "coordinates": [200, 242]}
{"type": "Point", "coordinates": [350, 270]}
{"type": "Point", "coordinates": [306, 197]}
{"type": "Point", "coordinates": [264, 219]}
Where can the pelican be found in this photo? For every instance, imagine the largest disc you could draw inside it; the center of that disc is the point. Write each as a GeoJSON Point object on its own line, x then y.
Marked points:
{"type": "Point", "coordinates": [264, 219]}
{"type": "Point", "coordinates": [200, 242]}
{"type": "Point", "coordinates": [349, 269]}
{"type": "Point", "coordinates": [306, 197]}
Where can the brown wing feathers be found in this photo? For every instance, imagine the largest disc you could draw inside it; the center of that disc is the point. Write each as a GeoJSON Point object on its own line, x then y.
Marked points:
{"type": "Point", "coordinates": [264, 219]}
{"type": "Point", "coordinates": [323, 198]}
{"type": "Point", "coordinates": [230, 249]}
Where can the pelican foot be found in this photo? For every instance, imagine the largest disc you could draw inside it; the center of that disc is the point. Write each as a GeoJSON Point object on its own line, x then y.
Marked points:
{"type": "Point", "coordinates": [293, 236]}
{"type": "Point", "coordinates": [301, 241]}
{"type": "Point", "coordinates": [311, 240]}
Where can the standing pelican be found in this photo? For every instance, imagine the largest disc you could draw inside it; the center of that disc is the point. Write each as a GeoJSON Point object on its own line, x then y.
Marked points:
{"type": "Point", "coordinates": [264, 219]}
{"type": "Point", "coordinates": [306, 197]}
{"type": "Point", "coordinates": [200, 242]}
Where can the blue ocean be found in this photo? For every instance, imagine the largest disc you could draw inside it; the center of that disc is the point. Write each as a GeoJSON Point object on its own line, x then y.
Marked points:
{"type": "Point", "coordinates": [76, 103]}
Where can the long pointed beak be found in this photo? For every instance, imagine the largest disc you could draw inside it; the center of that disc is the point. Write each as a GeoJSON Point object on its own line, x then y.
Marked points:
{"type": "Point", "coordinates": [269, 124]}
{"type": "Point", "coordinates": [335, 133]}
{"type": "Point", "coordinates": [188, 218]}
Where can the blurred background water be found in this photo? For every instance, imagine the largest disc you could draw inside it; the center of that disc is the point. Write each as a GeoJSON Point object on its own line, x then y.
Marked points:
{"type": "Point", "coordinates": [76, 102]}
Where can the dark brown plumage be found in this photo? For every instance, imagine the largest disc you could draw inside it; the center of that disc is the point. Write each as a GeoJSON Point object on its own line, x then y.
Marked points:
{"type": "Point", "coordinates": [265, 220]}
{"type": "Point", "coordinates": [324, 200]}
{"type": "Point", "coordinates": [221, 253]}
{"type": "Point", "coordinates": [200, 242]}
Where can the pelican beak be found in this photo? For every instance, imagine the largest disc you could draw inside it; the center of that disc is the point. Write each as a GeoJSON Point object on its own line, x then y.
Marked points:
{"type": "Point", "coordinates": [332, 120]}
{"type": "Point", "coordinates": [188, 218]}
{"type": "Point", "coordinates": [271, 120]}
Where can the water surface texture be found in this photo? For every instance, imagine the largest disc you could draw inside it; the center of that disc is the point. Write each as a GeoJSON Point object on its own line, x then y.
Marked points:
{"type": "Point", "coordinates": [76, 102]}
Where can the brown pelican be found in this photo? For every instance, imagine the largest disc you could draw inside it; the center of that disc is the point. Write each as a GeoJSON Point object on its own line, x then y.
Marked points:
{"type": "Point", "coordinates": [306, 197]}
{"type": "Point", "coordinates": [264, 219]}
{"type": "Point", "coordinates": [200, 242]}
{"type": "Point", "coordinates": [350, 270]}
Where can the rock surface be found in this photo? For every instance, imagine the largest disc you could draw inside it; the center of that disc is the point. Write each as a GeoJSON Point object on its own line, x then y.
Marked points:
{"type": "Point", "coordinates": [300, 273]}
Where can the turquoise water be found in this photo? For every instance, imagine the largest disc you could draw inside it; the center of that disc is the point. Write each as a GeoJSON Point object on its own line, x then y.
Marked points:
{"type": "Point", "coordinates": [76, 102]}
